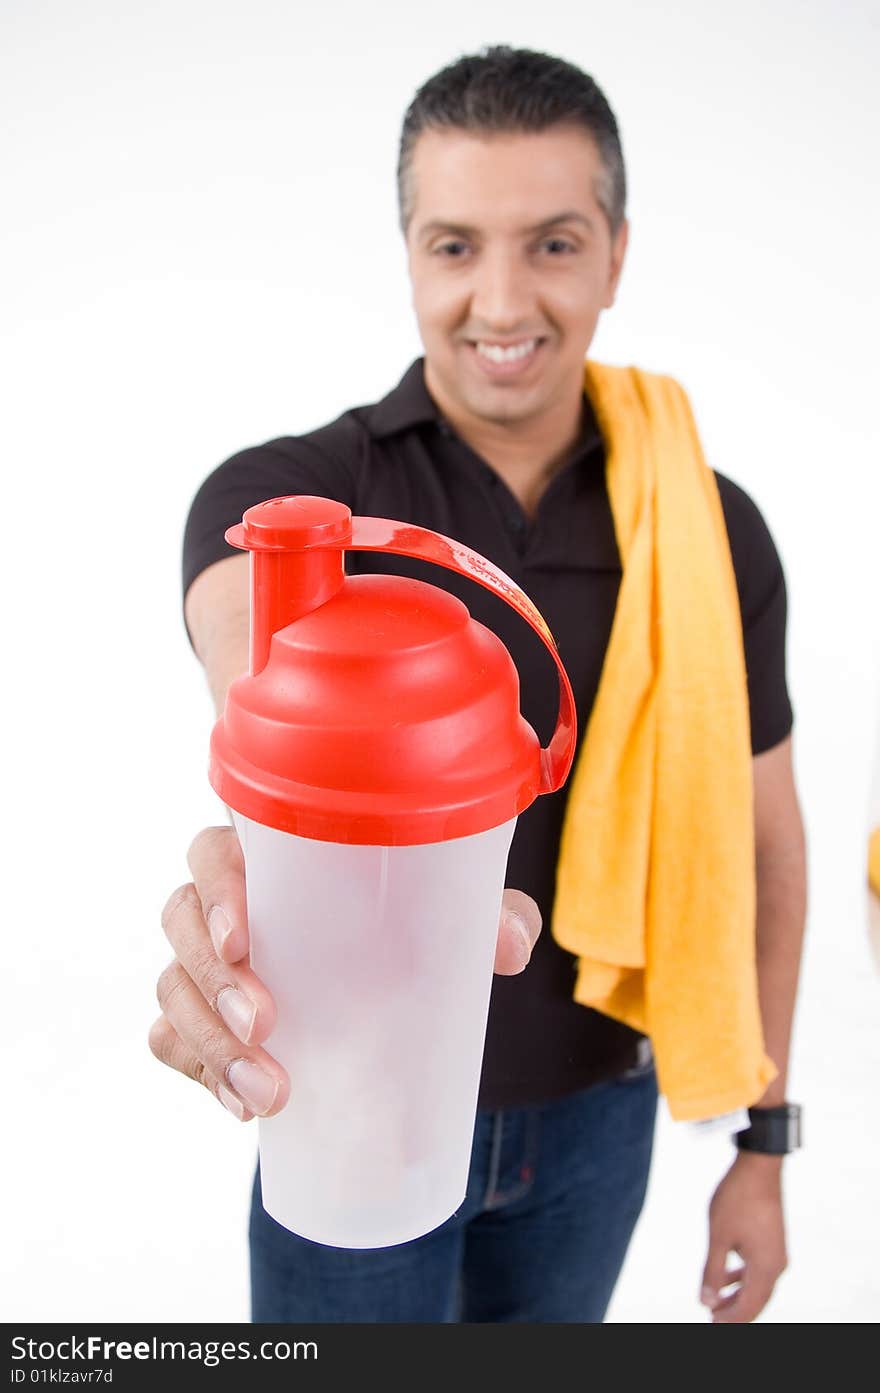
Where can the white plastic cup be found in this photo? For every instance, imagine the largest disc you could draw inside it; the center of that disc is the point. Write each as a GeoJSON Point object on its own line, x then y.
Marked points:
{"type": "Point", "coordinates": [380, 961]}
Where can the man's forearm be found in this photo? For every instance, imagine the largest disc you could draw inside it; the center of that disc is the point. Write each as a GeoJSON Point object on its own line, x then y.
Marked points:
{"type": "Point", "coordinates": [217, 613]}
{"type": "Point", "coordinates": [781, 912]}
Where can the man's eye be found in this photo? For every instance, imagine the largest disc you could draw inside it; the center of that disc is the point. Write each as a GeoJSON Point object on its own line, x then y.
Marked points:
{"type": "Point", "coordinates": [452, 249]}
{"type": "Point", "coordinates": [557, 246]}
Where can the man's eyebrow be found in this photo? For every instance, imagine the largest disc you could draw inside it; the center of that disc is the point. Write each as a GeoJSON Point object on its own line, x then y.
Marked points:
{"type": "Point", "coordinates": [456, 229]}
{"type": "Point", "coordinates": [436, 225]}
{"type": "Point", "coordinates": [569, 216]}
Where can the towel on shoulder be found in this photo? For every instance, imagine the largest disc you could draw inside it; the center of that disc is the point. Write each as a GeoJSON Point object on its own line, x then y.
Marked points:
{"type": "Point", "coordinates": [656, 875]}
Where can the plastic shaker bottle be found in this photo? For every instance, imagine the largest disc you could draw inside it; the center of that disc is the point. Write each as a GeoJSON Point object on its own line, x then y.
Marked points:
{"type": "Point", "coordinates": [375, 761]}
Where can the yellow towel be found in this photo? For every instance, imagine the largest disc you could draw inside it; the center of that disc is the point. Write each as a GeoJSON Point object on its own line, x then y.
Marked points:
{"type": "Point", "coordinates": [656, 875]}
{"type": "Point", "coordinates": [874, 861]}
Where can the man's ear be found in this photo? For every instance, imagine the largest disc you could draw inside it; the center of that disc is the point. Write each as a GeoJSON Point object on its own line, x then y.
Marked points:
{"type": "Point", "coordinates": [618, 252]}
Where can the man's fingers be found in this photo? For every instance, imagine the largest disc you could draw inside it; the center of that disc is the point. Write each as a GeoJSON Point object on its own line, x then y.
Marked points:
{"type": "Point", "coordinates": [749, 1299]}
{"type": "Point", "coordinates": [217, 865]}
{"type": "Point", "coordinates": [233, 990]}
{"type": "Point", "coordinates": [518, 930]}
{"type": "Point", "coordinates": [751, 1285]}
{"type": "Point", "coordinates": [169, 1049]}
{"type": "Point", "coordinates": [715, 1275]}
{"type": "Point", "coordinates": [252, 1075]}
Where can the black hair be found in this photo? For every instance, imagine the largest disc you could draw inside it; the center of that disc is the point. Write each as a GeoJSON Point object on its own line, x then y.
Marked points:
{"type": "Point", "coordinates": [514, 89]}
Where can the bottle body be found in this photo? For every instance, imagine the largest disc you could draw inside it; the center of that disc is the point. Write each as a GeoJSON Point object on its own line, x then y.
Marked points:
{"type": "Point", "coordinates": [380, 961]}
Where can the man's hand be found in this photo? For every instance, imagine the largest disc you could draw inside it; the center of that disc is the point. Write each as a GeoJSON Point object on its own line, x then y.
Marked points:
{"type": "Point", "coordinates": [745, 1217]}
{"type": "Point", "coordinates": [216, 1011]}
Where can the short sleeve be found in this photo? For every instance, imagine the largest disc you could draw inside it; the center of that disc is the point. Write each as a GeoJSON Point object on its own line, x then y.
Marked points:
{"type": "Point", "coordinates": [760, 582]}
{"type": "Point", "coordinates": [288, 465]}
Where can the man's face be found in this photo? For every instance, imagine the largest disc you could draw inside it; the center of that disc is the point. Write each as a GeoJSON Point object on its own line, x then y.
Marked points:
{"type": "Point", "coordinates": [512, 261]}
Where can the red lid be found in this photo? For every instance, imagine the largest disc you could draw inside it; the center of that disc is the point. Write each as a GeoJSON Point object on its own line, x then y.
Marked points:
{"type": "Point", "coordinates": [376, 710]}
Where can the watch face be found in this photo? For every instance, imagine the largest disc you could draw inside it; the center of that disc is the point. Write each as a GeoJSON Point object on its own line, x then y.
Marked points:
{"type": "Point", "coordinates": [792, 1125]}
{"type": "Point", "coordinates": [795, 1130]}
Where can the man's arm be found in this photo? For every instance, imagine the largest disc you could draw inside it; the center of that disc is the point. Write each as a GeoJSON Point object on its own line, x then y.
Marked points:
{"type": "Point", "coordinates": [780, 862]}
{"type": "Point", "coordinates": [745, 1216]}
{"type": "Point", "coordinates": [216, 610]}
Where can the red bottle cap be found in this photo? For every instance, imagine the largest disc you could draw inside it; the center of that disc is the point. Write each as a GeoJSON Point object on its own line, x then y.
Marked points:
{"type": "Point", "coordinates": [376, 710]}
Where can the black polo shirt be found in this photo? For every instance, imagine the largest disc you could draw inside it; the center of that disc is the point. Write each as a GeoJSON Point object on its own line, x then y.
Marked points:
{"type": "Point", "coordinates": [400, 459]}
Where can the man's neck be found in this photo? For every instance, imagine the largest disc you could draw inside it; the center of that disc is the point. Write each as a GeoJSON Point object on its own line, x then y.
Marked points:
{"type": "Point", "coordinates": [525, 454]}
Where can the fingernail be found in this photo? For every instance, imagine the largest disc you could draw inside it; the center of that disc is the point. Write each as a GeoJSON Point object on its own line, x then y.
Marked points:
{"type": "Point", "coordinates": [229, 1100]}
{"type": "Point", "coordinates": [709, 1298]}
{"type": "Point", "coordinates": [219, 929]}
{"type": "Point", "coordinates": [252, 1085]}
{"type": "Point", "coordinates": [521, 938]}
{"type": "Point", "coordinates": [238, 1012]}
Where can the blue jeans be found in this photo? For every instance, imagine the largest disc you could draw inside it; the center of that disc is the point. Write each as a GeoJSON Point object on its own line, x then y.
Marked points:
{"type": "Point", "coordinates": [553, 1195]}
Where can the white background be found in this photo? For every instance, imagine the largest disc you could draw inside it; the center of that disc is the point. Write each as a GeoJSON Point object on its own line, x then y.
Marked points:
{"type": "Point", "coordinates": [201, 253]}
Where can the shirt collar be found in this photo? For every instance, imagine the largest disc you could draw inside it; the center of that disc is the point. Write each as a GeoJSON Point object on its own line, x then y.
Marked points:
{"type": "Point", "coordinates": [410, 404]}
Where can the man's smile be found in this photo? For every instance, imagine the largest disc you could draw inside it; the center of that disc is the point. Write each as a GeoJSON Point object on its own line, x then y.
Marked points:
{"type": "Point", "coordinates": [499, 358]}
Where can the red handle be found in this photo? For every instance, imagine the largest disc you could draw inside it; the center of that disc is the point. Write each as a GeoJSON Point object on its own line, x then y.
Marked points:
{"type": "Point", "coordinates": [384, 534]}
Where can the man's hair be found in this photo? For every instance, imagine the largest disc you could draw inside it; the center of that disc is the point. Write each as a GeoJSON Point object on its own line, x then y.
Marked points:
{"type": "Point", "coordinates": [511, 90]}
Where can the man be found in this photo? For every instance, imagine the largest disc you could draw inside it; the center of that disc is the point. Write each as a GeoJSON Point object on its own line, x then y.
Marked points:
{"type": "Point", "coordinates": [512, 197]}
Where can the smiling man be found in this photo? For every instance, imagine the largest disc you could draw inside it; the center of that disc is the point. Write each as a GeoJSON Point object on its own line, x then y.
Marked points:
{"type": "Point", "coordinates": [670, 869]}
{"type": "Point", "coordinates": [512, 258]}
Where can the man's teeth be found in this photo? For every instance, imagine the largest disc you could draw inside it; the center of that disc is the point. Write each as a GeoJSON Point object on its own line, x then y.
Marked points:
{"type": "Point", "coordinates": [496, 354]}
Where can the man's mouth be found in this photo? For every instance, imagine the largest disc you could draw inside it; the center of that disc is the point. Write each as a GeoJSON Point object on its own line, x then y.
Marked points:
{"type": "Point", "coordinates": [505, 359]}
{"type": "Point", "coordinates": [506, 353]}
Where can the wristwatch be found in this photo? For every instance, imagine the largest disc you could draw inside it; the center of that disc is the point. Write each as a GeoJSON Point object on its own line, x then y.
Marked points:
{"type": "Point", "coordinates": [775, 1131]}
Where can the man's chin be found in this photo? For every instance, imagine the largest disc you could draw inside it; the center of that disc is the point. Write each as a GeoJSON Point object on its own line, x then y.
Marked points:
{"type": "Point", "coordinates": [459, 393]}
{"type": "Point", "coordinates": [503, 405]}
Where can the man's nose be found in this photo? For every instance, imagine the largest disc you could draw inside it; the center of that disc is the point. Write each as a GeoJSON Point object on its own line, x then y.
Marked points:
{"type": "Point", "coordinates": [503, 298]}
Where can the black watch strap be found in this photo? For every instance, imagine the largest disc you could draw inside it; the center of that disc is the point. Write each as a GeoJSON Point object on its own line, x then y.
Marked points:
{"type": "Point", "coordinates": [775, 1131]}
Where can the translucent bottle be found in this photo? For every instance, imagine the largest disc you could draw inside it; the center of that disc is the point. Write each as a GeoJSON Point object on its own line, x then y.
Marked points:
{"type": "Point", "coordinates": [375, 761]}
